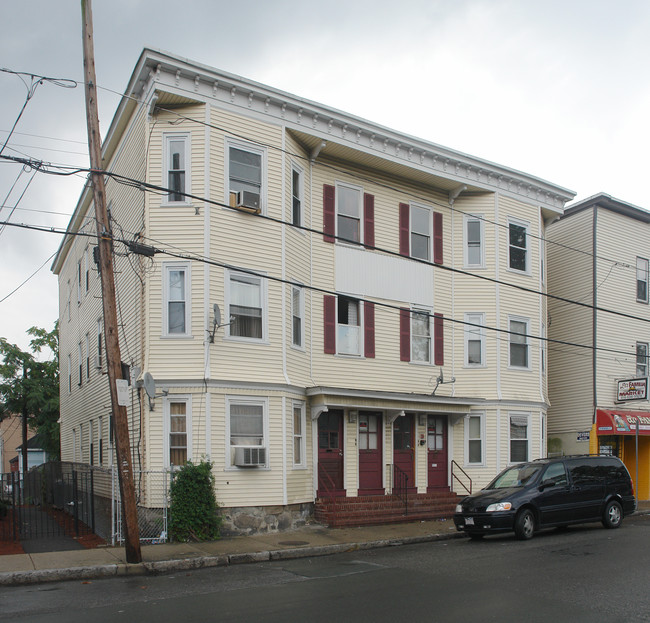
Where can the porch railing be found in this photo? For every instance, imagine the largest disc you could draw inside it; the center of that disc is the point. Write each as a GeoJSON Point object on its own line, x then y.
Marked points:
{"type": "Point", "coordinates": [400, 486]}
{"type": "Point", "coordinates": [328, 491]}
{"type": "Point", "coordinates": [455, 478]}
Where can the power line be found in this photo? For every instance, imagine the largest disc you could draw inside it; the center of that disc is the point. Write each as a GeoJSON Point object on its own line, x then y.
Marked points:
{"type": "Point", "coordinates": [2, 300]}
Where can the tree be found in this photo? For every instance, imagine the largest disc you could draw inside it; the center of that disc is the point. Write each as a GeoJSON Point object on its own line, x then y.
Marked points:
{"type": "Point", "coordinates": [32, 386]}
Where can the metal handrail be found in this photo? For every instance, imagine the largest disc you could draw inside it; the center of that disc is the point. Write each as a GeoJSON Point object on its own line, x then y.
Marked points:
{"type": "Point", "coordinates": [400, 486]}
{"type": "Point", "coordinates": [460, 482]}
{"type": "Point", "coordinates": [329, 492]}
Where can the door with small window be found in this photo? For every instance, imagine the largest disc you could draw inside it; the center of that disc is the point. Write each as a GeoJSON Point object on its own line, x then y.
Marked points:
{"type": "Point", "coordinates": [370, 453]}
{"type": "Point", "coordinates": [437, 453]}
{"type": "Point", "coordinates": [404, 447]}
{"type": "Point", "coordinates": [330, 453]}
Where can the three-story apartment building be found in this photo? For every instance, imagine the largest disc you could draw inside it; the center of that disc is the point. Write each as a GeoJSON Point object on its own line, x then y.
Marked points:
{"type": "Point", "coordinates": [331, 303]}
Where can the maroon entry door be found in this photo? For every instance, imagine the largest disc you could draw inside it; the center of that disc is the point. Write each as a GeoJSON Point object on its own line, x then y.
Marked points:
{"type": "Point", "coordinates": [404, 447]}
{"type": "Point", "coordinates": [330, 453]}
{"type": "Point", "coordinates": [437, 453]}
{"type": "Point", "coordinates": [370, 455]}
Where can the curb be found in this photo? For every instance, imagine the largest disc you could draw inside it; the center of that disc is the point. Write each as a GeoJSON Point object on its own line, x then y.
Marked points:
{"type": "Point", "coordinates": [16, 578]}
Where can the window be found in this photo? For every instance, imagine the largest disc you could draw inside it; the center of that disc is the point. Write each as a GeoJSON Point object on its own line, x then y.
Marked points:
{"type": "Point", "coordinates": [474, 439]}
{"type": "Point", "coordinates": [100, 343]}
{"type": "Point", "coordinates": [176, 311]}
{"type": "Point", "coordinates": [475, 339]}
{"type": "Point", "coordinates": [81, 443]}
{"type": "Point", "coordinates": [88, 356]}
{"type": "Point", "coordinates": [296, 195]}
{"type": "Point", "coordinates": [247, 428]}
{"type": "Point", "coordinates": [519, 343]}
{"type": "Point", "coordinates": [86, 272]}
{"type": "Point", "coordinates": [246, 306]}
{"type": "Point", "coordinates": [299, 434]}
{"type": "Point", "coordinates": [542, 348]}
{"type": "Point", "coordinates": [641, 280]}
{"type": "Point", "coordinates": [177, 411]}
{"type": "Point", "coordinates": [69, 373]}
{"type": "Point", "coordinates": [100, 441]}
{"type": "Point", "coordinates": [91, 433]}
{"type": "Point", "coordinates": [473, 232]}
{"type": "Point", "coordinates": [297, 316]}
{"type": "Point", "coordinates": [518, 438]}
{"type": "Point", "coordinates": [348, 327]}
{"type": "Point", "coordinates": [420, 222]}
{"type": "Point", "coordinates": [176, 163]}
{"type": "Point", "coordinates": [79, 282]}
{"type": "Point", "coordinates": [518, 247]}
{"type": "Point", "coordinates": [348, 213]}
{"type": "Point", "coordinates": [80, 362]}
{"type": "Point", "coordinates": [420, 336]}
{"type": "Point", "coordinates": [245, 170]}
{"type": "Point", "coordinates": [74, 445]}
{"type": "Point", "coordinates": [642, 359]}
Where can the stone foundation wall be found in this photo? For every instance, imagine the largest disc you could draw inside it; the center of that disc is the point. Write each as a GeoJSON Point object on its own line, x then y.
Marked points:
{"type": "Point", "coordinates": [262, 519]}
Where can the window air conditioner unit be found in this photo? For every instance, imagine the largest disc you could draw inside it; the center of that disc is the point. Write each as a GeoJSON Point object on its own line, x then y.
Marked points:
{"type": "Point", "coordinates": [248, 201]}
{"type": "Point", "coordinates": [250, 456]}
{"type": "Point", "coordinates": [98, 363]}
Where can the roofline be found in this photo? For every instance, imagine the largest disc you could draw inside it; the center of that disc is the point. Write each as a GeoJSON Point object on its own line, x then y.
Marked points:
{"type": "Point", "coordinates": [603, 200]}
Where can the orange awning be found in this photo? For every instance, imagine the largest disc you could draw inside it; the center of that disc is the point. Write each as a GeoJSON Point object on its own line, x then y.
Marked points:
{"type": "Point", "coordinates": [610, 422]}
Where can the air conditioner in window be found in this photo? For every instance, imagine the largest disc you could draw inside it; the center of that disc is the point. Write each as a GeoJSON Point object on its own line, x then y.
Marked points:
{"type": "Point", "coordinates": [98, 362]}
{"type": "Point", "coordinates": [250, 456]}
{"type": "Point", "coordinates": [248, 201]}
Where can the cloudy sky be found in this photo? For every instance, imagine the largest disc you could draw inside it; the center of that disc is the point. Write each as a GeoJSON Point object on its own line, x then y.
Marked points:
{"type": "Point", "coordinates": [558, 89]}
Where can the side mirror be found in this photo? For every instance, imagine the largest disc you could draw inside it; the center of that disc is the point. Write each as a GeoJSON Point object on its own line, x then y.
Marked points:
{"type": "Point", "coordinates": [547, 482]}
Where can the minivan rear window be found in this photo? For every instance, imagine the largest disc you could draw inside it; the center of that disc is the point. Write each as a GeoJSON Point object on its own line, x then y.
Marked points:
{"type": "Point", "coordinates": [515, 476]}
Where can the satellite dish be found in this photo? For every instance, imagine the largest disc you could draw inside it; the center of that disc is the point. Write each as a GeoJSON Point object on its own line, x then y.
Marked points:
{"type": "Point", "coordinates": [217, 315]}
{"type": "Point", "coordinates": [149, 385]}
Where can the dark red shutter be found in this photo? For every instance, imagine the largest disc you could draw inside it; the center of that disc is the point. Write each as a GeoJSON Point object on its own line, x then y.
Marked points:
{"type": "Point", "coordinates": [437, 237]}
{"type": "Point", "coordinates": [329, 329]}
{"type": "Point", "coordinates": [329, 217]}
{"type": "Point", "coordinates": [404, 229]}
{"type": "Point", "coordinates": [369, 329]}
{"type": "Point", "coordinates": [405, 334]}
{"type": "Point", "coordinates": [438, 340]}
{"type": "Point", "coordinates": [369, 220]}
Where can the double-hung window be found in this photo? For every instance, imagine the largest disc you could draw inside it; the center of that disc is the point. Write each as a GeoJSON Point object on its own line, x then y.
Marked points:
{"type": "Point", "coordinates": [519, 342]}
{"type": "Point", "coordinates": [348, 329]}
{"type": "Point", "coordinates": [420, 223]}
{"type": "Point", "coordinates": [299, 434]}
{"type": "Point", "coordinates": [247, 430]}
{"type": "Point", "coordinates": [176, 167]}
{"type": "Point", "coordinates": [81, 363]}
{"type": "Point", "coordinates": [246, 172]}
{"type": "Point", "coordinates": [474, 246]}
{"type": "Point", "coordinates": [178, 423]}
{"type": "Point", "coordinates": [176, 300]}
{"type": "Point", "coordinates": [642, 359]}
{"type": "Point", "coordinates": [87, 356]}
{"type": "Point", "coordinates": [475, 339]}
{"type": "Point", "coordinates": [420, 336]}
{"type": "Point", "coordinates": [297, 317]}
{"type": "Point", "coordinates": [296, 195]}
{"type": "Point", "coordinates": [519, 424]}
{"type": "Point", "coordinates": [246, 306]}
{"type": "Point", "coordinates": [641, 280]}
{"type": "Point", "coordinates": [474, 439]}
{"type": "Point", "coordinates": [349, 213]}
{"type": "Point", "coordinates": [518, 250]}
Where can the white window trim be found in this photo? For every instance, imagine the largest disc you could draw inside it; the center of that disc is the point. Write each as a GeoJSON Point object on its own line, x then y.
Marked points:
{"type": "Point", "coordinates": [86, 274]}
{"type": "Point", "coordinates": [481, 416]}
{"type": "Point", "coordinates": [340, 185]}
{"type": "Point", "coordinates": [301, 194]}
{"type": "Point", "coordinates": [647, 280]}
{"type": "Point", "coordinates": [80, 364]}
{"type": "Point", "coordinates": [79, 278]}
{"type": "Point", "coordinates": [636, 358]}
{"type": "Point", "coordinates": [167, 400]}
{"type": "Point", "coordinates": [166, 268]}
{"type": "Point", "coordinates": [301, 313]}
{"type": "Point", "coordinates": [247, 400]}
{"type": "Point", "coordinates": [87, 363]}
{"type": "Point", "coordinates": [523, 319]}
{"type": "Point", "coordinates": [361, 325]}
{"type": "Point", "coordinates": [167, 138]}
{"type": "Point", "coordinates": [543, 354]}
{"type": "Point", "coordinates": [429, 228]}
{"type": "Point", "coordinates": [481, 222]}
{"type": "Point", "coordinates": [526, 225]}
{"type": "Point", "coordinates": [228, 274]}
{"type": "Point", "coordinates": [527, 415]}
{"type": "Point", "coordinates": [429, 313]}
{"type": "Point", "coordinates": [254, 149]}
{"type": "Point", "coordinates": [469, 333]}
{"type": "Point", "coordinates": [299, 404]}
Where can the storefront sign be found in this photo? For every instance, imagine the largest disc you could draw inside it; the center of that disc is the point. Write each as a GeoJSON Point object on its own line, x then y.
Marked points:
{"type": "Point", "coordinates": [622, 422]}
{"type": "Point", "coordinates": [633, 389]}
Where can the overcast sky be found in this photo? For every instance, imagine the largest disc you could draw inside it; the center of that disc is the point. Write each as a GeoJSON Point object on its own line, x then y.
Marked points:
{"type": "Point", "coordinates": [558, 89]}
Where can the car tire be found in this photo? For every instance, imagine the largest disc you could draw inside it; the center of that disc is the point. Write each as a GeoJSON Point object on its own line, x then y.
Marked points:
{"type": "Point", "coordinates": [475, 536]}
{"type": "Point", "coordinates": [525, 524]}
{"type": "Point", "coordinates": [612, 515]}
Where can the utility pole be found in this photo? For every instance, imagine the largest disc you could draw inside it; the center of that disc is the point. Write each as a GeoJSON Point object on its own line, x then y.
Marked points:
{"type": "Point", "coordinates": [105, 243]}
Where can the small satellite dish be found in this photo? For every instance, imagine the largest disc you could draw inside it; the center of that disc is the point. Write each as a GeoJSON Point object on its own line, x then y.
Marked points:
{"type": "Point", "coordinates": [216, 323]}
{"type": "Point", "coordinates": [217, 316]}
{"type": "Point", "coordinates": [149, 385]}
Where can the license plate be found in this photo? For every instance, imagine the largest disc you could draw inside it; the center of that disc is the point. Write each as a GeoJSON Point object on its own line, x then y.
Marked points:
{"type": "Point", "coordinates": [469, 521]}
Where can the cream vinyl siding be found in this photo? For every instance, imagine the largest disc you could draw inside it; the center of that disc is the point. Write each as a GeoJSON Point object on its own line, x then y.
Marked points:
{"type": "Point", "coordinates": [299, 479]}
{"type": "Point", "coordinates": [570, 368]}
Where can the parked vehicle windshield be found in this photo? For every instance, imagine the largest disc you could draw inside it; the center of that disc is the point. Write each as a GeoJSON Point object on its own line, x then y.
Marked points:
{"type": "Point", "coordinates": [515, 476]}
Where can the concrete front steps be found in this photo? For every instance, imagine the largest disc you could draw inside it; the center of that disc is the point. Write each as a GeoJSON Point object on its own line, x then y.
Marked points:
{"type": "Point", "coordinates": [368, 510]}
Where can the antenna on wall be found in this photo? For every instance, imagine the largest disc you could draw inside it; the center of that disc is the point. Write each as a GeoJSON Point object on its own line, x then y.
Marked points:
{"type": "Point", "coordinates": [441, 381]}
{"type": "Point", "coordinates": [150, 388]}
{"type": "Point", "coordinates": [216, 323]}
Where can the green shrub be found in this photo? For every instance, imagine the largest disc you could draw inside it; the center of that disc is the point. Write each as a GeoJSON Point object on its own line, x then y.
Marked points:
{"type": "Point", "coordinates": [194, 512]}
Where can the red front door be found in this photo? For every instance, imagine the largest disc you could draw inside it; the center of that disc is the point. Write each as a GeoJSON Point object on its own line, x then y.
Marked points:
{"type": "Point", "coordinates": [330, 453]}
{"type": "Point", "coordinates": [404, 447]}
{"type": "Point", "coordinates": [437, 452]}
{"type": "Point", "coordinates": [370, 457]}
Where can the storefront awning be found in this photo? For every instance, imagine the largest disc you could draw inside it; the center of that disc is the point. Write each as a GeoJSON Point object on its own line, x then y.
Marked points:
{"type": "Point", "coordinates": [622, 422]}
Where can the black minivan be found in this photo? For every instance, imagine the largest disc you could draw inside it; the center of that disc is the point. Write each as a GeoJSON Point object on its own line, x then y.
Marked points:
{"type": "Point", "coordinates": [549, 492]}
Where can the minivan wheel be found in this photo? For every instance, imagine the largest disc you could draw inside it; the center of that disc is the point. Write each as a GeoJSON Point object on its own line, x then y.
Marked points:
{"type": "Point", "coordinates": [525, 525]}
{"type": "Point", "coordinates": [613, 515]}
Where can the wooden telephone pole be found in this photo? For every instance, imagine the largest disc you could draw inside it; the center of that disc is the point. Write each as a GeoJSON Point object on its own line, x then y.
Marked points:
{"type": "Point", "coordinates": [105, 242]}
